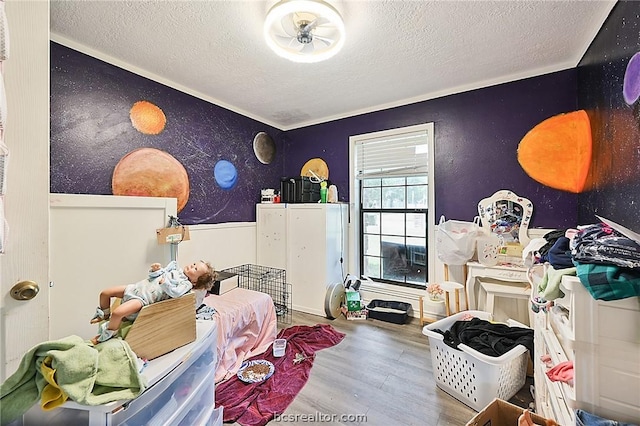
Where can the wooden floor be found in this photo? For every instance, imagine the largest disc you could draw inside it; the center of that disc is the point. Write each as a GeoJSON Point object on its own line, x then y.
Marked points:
{"type": "Point", "coordinates": [380, 370]}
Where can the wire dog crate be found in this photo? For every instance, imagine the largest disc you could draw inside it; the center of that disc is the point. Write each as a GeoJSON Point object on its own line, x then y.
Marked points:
{"type": "Point", "coordinates": [265, 279]}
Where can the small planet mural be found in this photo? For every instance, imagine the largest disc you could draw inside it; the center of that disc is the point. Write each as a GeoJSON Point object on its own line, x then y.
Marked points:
{"type": "Point", "coordinates": [317, 166]}
{"type": "Point", "coordinates": [631, 85]}
{"type": "Point", "coordinates": [225, 174]}
{"type": "Point", "coordinates": [150, 172]}
{"type": "Point", "coordinates": [147, 118]}
{"type": "Point", "coordinates": [264, 148]}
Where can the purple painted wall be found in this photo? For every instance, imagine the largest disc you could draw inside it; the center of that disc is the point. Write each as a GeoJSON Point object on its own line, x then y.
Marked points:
{"type": "Point", "coordinates": [615, 124]}
{"type": "Point", "coordinates": [91, 131]}
{"type": "Point", "coordinates": [476, 139]}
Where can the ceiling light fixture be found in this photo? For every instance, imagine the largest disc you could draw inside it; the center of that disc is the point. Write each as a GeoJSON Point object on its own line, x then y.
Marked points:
{"type": "Point", "coordinates": [304, 30]}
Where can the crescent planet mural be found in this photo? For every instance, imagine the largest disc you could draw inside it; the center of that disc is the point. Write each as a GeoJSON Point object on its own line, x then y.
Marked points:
{"type": "Point", "coordinates": [631, 86]}
{"type": "Point", "coordinates": [264, 148]}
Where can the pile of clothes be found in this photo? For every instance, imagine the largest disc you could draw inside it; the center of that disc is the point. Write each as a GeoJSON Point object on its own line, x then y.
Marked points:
{"type": "Point", "coordinates": [606, 261]}
{"type": "Point", "coordinates": [488, 338]}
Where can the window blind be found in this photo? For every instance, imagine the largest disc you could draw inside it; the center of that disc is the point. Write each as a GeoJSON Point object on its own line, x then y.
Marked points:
{"type": "Point", "coordinates": [404, 154]}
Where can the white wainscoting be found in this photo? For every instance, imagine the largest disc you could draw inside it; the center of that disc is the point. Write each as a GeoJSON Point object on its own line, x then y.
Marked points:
{"type": "Point", "coordinates": [224, 245]}
{"type": "Point", "coordinates": [99, 241]}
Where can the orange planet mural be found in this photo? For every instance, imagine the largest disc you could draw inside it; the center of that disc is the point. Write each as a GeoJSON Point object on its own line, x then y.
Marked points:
{"type": "Point", "coordinates": [150, 172]}
{"type": "Point", "coordinates": [147, 118]}
{"type": "Point", "coordinates": [557, 152]}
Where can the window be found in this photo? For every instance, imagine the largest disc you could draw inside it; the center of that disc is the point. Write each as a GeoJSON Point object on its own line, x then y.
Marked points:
{"type": "Point", "coordinates": [392, 190]}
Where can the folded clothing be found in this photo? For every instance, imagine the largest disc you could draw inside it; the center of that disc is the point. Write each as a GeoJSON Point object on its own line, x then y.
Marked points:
{"type": "Point", "coordinates": [560, 254]}
{"type": "Point", "coordinates": [609, 282]}
{"type": "Point", "coordinates": [549, 286]}
{"type": "Point", "coordinates": [602, 244]}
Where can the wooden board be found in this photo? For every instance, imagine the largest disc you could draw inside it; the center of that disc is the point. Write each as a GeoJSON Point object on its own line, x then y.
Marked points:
{"type": "Point", "coordinates": [164, 326]}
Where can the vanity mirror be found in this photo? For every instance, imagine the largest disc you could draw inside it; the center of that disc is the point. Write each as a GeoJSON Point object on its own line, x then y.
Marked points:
{"type": "Point", "coordinates": [507, 216]}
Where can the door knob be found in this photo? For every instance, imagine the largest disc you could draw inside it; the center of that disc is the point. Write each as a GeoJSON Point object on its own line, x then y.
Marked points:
{"type": "Point", "coordinates": [25, 290]}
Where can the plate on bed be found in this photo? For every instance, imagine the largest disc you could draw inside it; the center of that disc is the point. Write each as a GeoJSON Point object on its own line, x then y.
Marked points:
{"type": "Point", "coordinates": [255, 371]}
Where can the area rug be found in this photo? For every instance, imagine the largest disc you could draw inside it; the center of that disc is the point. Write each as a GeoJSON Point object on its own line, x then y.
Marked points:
{"type": "Point", "coordinates": [256, 404]}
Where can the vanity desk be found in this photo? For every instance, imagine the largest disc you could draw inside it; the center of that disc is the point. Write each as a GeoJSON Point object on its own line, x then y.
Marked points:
{"type": "Point", "coordinates": [502, 280]}
{"type": "Point", "coordinates": [505, 218]}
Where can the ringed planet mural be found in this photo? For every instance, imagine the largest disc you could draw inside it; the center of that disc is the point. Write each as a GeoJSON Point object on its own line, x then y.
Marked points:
{"type": "Point", "coordinates": [150, 172]}
{"type": "Point", "coordinates": [316, 167]}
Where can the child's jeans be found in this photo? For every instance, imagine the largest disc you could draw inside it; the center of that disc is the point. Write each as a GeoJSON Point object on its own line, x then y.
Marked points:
{"type": "Point", "coordinates": [584, 418]}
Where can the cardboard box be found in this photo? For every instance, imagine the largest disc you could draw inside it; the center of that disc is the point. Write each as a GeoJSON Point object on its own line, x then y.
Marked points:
{"type": "Point", "coordinates": [353, 301]}
{"type": "Point", "coordinates": [173, 235]}
{"type": "Point", "coordinates": [503, 413]}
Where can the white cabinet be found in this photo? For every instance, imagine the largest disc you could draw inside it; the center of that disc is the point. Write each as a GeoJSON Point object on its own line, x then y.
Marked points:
{"type": "Point", "coordinates": [181, 391]}
{"type": "Point", "coordinates": [309, 241]}
{"type": "Point", "coordinates": [602, 340]}
{"type": "Point", "coordinates": [271, 229]}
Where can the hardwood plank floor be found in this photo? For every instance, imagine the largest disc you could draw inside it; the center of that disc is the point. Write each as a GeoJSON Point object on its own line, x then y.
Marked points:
{"type": "Point", "coordinates": [381, 372]}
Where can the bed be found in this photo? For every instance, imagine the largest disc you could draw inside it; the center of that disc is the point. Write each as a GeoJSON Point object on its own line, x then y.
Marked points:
{"type": "Point", "coordinates": [247, 326]}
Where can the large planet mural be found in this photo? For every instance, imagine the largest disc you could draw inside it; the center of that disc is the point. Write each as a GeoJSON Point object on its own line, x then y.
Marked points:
{"type": "Point", "coordinates": [150, 172]}
{"type": "Point", "coordinates": [225, 174]}
{"type": "Point", "coordinates": [557, 151]}
{"type": "Point", "coordinates": [264, 148]}
{"type": "Point", "coordinates": [316, 167]}
{"type": "Point", "coordinates": [147, 118]}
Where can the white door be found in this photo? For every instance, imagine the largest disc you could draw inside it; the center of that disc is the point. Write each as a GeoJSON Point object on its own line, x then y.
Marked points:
{"type": "Point", "coordinates": [26, 202]}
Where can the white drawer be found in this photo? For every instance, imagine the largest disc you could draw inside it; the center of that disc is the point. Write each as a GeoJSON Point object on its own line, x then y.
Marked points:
{"type": "Point", "coordinates": [212, 417]}
{"type": "Point", "coordinates": [555, 396]}
{"type": "Point", "coordinates": [200, 407]}
{"type": "Point", "coordinates": [164, 403]}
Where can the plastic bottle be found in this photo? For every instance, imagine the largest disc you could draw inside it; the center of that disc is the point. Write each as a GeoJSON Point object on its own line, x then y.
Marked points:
{"type": "Point", "coordinates": [323, 191]}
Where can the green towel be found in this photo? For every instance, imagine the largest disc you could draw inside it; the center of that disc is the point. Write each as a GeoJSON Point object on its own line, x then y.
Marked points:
{"type": "Point", "coordinates": [89, 375]}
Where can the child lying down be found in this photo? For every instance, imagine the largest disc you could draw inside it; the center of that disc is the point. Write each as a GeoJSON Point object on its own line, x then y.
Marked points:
{"type": "Point", "coordinates": [161, 284]}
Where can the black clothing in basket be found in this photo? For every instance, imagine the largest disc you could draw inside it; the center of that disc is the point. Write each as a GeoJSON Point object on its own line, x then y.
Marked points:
{"type": "Point", "coordinates": [492, 339]}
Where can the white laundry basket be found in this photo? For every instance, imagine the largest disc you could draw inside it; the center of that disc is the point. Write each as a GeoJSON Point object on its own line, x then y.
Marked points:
{"type": "Point", "coordinates": [470, 376]}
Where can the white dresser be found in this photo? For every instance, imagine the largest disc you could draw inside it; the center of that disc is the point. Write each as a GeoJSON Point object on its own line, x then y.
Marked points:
{"type": "Point", "coordinates": [181, 391]}
{"type": "Point", "coordinates": [309, 241]}
{"type": "Point", "coordinates": [603, 341]}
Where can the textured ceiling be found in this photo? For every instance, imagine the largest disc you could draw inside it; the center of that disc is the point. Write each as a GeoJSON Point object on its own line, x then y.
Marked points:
{"type": "Point", "coordinates": [396, 52]}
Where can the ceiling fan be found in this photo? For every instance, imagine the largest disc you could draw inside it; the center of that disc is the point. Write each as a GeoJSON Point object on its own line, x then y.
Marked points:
{"type": "Point", "coordinates": [304, 30]}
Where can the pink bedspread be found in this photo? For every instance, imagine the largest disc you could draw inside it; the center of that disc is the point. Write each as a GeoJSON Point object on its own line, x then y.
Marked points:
{"type": "Point", "coordinates": [247, 326]}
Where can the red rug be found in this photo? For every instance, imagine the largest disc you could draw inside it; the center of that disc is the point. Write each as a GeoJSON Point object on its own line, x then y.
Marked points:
{"type": "Point", "coordinates": [256, 403]}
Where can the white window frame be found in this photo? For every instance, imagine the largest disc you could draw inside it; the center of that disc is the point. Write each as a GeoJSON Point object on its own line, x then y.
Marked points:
{"type": "Point", "coordinates": [354, 197]}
